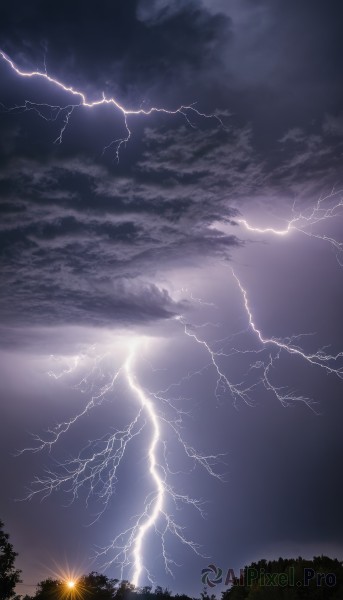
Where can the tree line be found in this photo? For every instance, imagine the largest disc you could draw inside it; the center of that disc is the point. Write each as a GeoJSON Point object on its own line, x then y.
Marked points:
{"type": "Point", "coordinates": [284, 579]}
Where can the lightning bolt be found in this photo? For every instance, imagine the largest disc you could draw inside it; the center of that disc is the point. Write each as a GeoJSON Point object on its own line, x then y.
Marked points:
{"type": "Point", "coordinates": [159, 482]}
{"type": "Point", "coordinates": [320, 358]}
{"type": "Point", "coordinates": [66, 111]}
{"type": "Point", "coordinates": [97, 465]}
{"type": "Point", "coordinates": [264, 360]}
{"type": "Point", "coordinates": [70, 368]}
{"type": "Point", "coordinates": [325, 209]}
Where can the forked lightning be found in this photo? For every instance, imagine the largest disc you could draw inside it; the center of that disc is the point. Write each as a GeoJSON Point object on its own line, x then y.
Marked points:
{"type": "Point", "coordinates": [97, 465]}
{"type": "Point", "coordinates": [325, 209]}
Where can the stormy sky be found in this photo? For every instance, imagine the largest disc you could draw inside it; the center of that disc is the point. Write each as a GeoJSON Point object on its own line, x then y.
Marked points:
{"type": "Point", "coordinates": [99, 250]}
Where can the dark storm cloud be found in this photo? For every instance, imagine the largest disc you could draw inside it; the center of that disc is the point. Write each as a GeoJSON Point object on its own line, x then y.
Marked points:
{"type": "Point", "coordinates": [279, 64]}
{"type": "Point", "coordinates": [284, 57]}
{"type": "Point", "coordinates": [76, 226]}
{"type": "Point", "coordinates": [230, 169]}
{"type": "Point", "coordinates": [80, 244]}
{"type": "Point", "coordinates": [112, 48]}
{"type": "Point", "coordinates": [73, 229]}
{"type": "Point", "coordinates": [82, 239]}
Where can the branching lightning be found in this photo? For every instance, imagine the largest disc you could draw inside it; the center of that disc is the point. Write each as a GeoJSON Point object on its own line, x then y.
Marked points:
{"type": "Point", "coordinates": [325, 209]}
{"type": "Point", "coordinates": [319, 358]}
{"type": "Point", "coordinates": [264, 359]}
{"type": "Point", "coordinates": [52, 113]}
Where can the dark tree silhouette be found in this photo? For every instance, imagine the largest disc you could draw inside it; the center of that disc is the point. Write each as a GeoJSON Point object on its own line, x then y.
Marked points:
{"type": "Point", "coordinates": [50, 589]}
{"type": "Point", "coordinates": [124, 590]}
{"type": "Point", "coordinates": [204, 594]}
{"type": "Point", "coordinates": [9, 575]}
{"type": "Point", "coordinates": [97, 585]}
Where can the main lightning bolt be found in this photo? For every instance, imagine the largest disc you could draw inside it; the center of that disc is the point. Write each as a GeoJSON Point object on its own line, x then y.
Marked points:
{"type": "Point", "coordinates": [55, 111]}
{"type": "Point", "coordinates": [97, 464]}
{"type": "Point", "coordinates": [160, 487]}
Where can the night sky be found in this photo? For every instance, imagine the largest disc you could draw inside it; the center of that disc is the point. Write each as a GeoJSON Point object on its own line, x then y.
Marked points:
{"type": "Point", "coordinates": [105, 257]}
